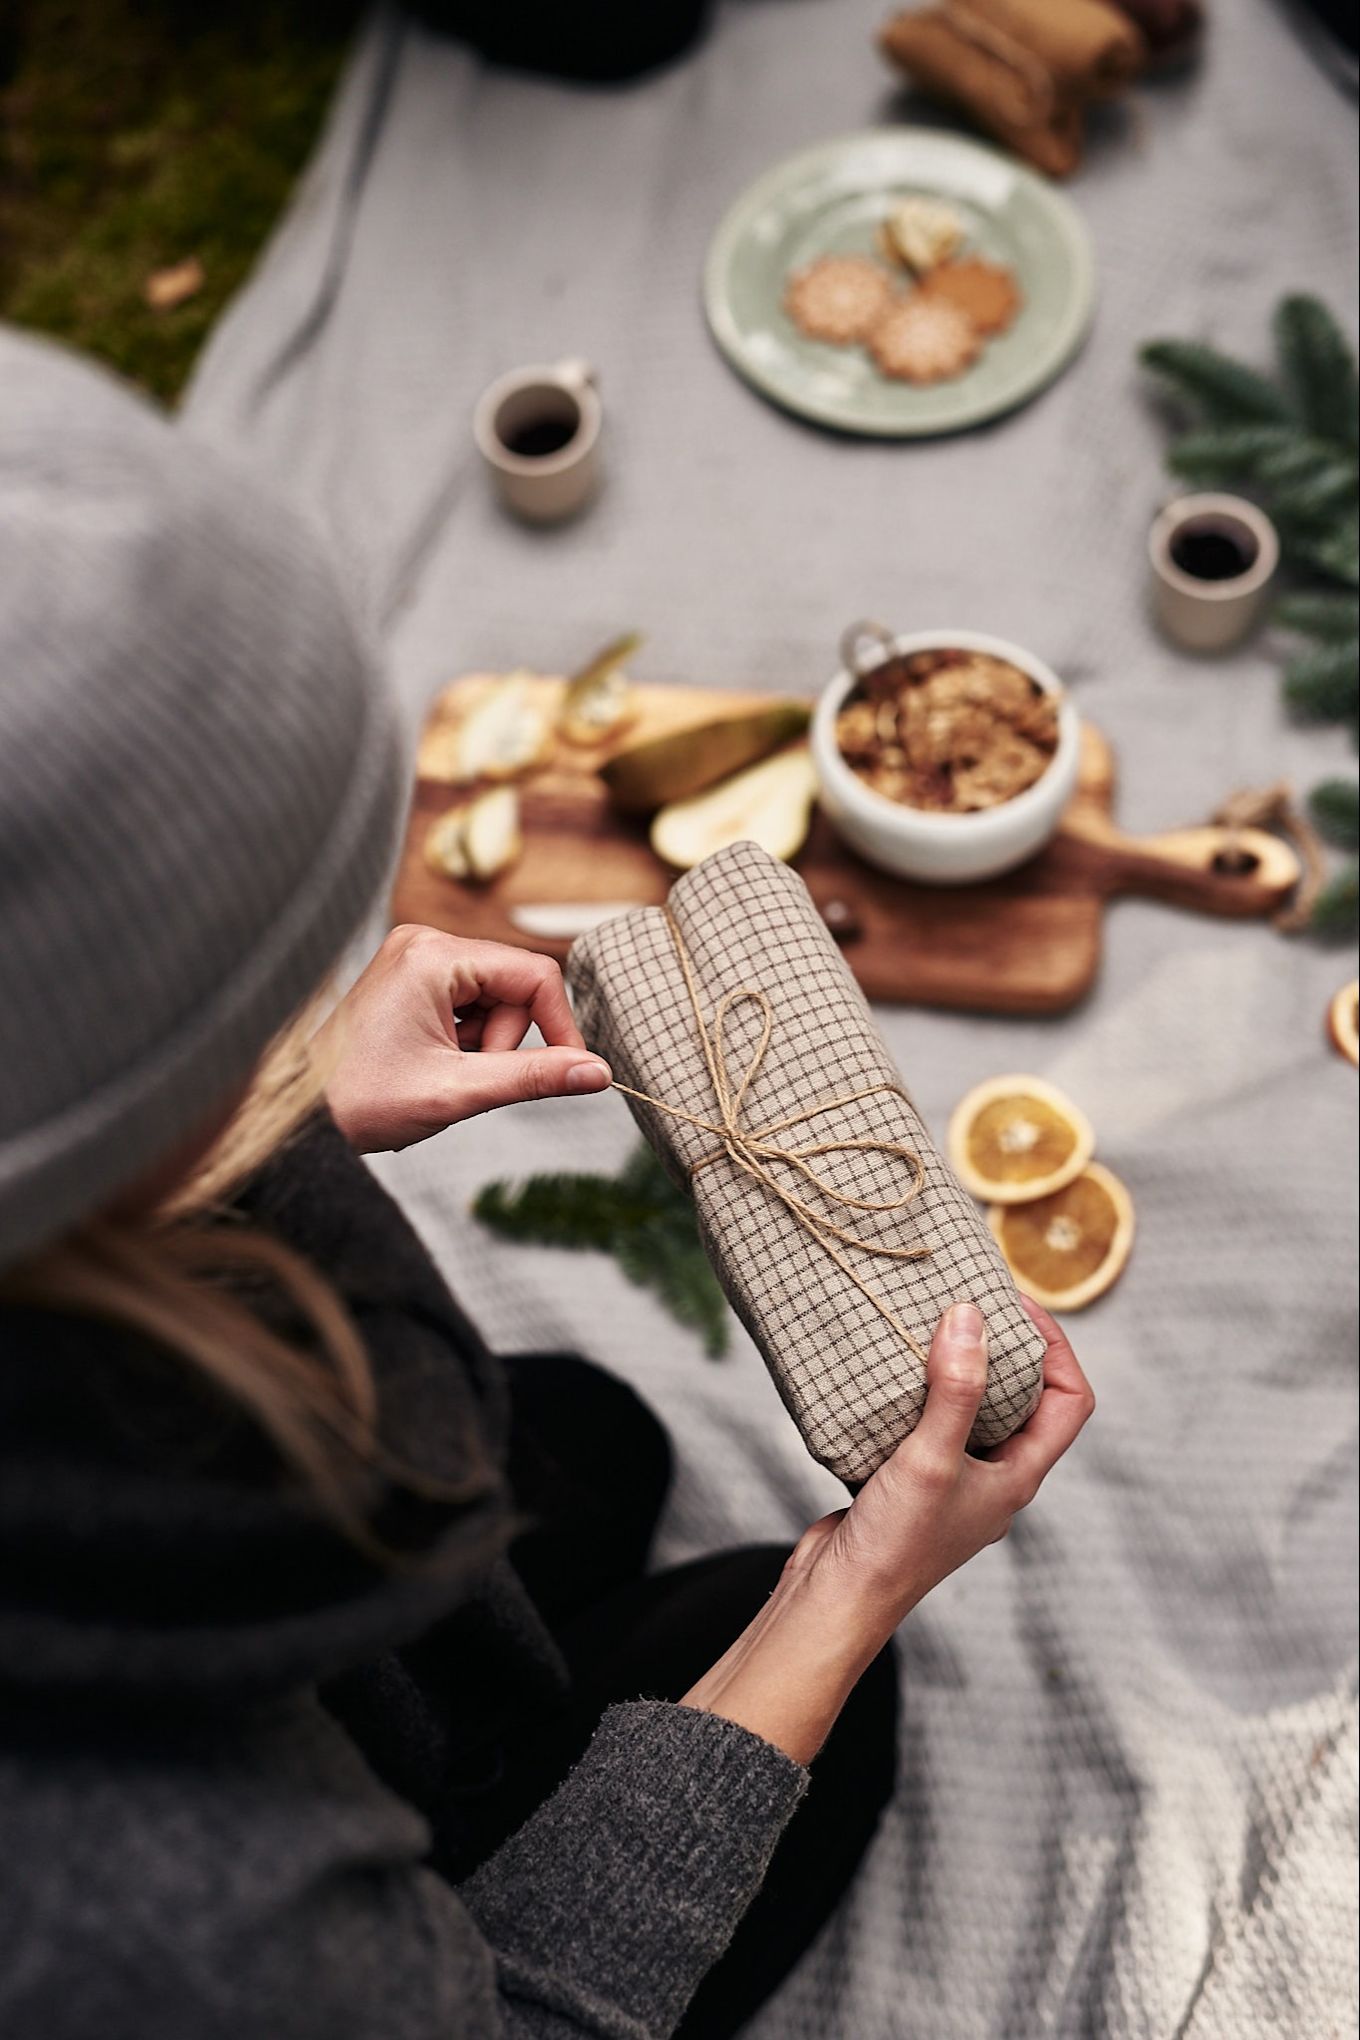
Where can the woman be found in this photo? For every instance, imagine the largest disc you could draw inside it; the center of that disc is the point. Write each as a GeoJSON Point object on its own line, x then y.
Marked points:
{"type": "Point", "coordinates": [322, 1635]}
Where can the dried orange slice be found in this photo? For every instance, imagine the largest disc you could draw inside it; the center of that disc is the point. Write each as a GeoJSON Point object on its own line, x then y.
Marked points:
{"type": "Point", "coordinates": [1343, 1020]}
{"type": "Point", "coordinates": [1066, 1249]}
{"type": "Point", "coordinates": [1016, 1138]}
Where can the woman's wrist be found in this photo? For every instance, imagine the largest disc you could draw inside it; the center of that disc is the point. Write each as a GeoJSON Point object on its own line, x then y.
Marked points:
{"type": "Point", "coordinates": [790, 1672]}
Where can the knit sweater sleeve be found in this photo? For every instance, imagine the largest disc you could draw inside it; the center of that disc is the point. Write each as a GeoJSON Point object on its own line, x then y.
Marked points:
{"type": "Point", "coordinates": [608, 1907]}
{"type": "Point", "coordinates": [256, 1878]}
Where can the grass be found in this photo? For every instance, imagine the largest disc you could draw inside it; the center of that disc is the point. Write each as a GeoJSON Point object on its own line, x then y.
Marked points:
{"type": "Point", "coordinates": [135, 133]}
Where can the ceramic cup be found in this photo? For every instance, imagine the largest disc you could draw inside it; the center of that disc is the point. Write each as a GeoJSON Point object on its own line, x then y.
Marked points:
{"type": "Point", "coordinates": [537, 429]}
{"type": "Point", "coordinates": [1211, 615]}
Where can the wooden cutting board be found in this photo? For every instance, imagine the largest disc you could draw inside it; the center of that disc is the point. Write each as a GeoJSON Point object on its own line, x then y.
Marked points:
{"type": "Point", "coordinates": [1026, 943]}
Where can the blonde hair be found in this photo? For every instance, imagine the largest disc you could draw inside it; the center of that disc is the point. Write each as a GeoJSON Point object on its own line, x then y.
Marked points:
{"type": "Point", "coordinates": [183, 1273]}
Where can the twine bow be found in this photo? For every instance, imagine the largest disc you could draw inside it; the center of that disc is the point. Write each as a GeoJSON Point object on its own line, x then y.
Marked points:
{"type": "Point", "coordinates": [756, 1150]}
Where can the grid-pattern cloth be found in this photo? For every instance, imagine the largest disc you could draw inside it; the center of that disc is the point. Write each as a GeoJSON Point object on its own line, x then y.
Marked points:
{"type": "Point", "coordinates": [852, 1384]}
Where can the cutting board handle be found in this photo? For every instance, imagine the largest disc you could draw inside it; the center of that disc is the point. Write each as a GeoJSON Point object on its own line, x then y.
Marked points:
{"type": "Point", "coordinates": [1239, 872]}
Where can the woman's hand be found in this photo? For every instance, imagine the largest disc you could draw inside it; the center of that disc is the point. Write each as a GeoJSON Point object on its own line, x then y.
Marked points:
{"type": "Point", "coordinates": [930, 1508]}
{"type": "Point", "coordinates": [431, 1034]}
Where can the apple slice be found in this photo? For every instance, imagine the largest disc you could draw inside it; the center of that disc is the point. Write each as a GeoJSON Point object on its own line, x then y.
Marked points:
{"type": "Point", "coordinates": [769, 804]}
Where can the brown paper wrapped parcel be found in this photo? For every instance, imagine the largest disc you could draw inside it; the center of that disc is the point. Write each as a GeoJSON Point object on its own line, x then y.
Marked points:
{"type": "Point", "coordinates": [837, 1231]}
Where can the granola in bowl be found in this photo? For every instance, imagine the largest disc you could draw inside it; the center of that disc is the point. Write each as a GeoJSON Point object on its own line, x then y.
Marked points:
{"type": "Point", "coordinates": [950, 731]}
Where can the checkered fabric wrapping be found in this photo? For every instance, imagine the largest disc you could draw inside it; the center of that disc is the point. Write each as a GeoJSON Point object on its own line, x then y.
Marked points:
{"type": "Point", "coordinates": [852, 1385]}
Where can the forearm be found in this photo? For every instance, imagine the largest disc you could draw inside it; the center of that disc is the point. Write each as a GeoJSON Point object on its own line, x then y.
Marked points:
{"type": "Point", "coordinates": [790, 1672]}
{"type": "Point", "coordinates": [614, 1900]}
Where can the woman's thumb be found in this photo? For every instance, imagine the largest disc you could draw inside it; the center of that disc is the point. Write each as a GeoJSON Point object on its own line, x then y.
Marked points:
{"type": "Point", "coordinates": [511, 1076]}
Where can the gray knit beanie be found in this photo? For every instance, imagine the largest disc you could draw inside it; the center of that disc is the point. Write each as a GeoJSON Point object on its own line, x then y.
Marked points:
{"type": "Point", "coordinates": [200, 783]}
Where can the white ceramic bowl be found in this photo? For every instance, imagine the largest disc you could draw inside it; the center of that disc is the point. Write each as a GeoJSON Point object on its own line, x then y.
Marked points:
{"type": "Point", "coordinates": [945, 849]}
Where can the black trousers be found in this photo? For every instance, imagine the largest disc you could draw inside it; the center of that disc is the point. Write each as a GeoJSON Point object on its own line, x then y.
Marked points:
{"type": "Point", "coordinates": [590, 1466]}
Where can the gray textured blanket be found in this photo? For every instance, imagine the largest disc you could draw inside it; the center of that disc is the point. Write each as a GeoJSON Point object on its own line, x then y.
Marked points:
{"type": "Point", "coordinates": [1128, 1760]}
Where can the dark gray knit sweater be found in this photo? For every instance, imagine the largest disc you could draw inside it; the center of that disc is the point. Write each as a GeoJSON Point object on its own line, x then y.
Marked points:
{"type": "Point", "coordinates": [192, 1840]}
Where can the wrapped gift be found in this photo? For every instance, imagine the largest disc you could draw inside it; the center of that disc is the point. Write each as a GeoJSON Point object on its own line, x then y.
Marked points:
{"type": "Point", "coordinates": [753, 1065]}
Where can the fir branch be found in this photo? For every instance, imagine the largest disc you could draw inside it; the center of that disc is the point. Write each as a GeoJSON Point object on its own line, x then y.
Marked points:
{"type": "Point", "coordinates": [1318, 497]}
{"type": "Point", "coordinates": [678, 1272]}
{"type": "Point", "coordinates": [1295, 446]}
{"type": "Point", "coordinates": [1324, 684]}
{"type": "Point", "coordinates": [1335, 553]}
{"type": "Point", "coordinates": [581, 1212]}
{"type": "Point", "coordinates": [1335, 809]}
{"type": "Point", "coordinates": [1336, 911]}
{"type": "Point", "coordinates": [1296, 457]}
{"type": "Point", "coordinates": [1318, 369]}
{"type": "Point", "coordinates": [643, 1178]}
{"type": "Point", "coordinates": [1320, 614]}
{"type": "Point", "coordinates": [1221, 390]}
{"type": "Point", "coordinates": [1226, 455]}
{"type": "Point", "coordinates": [639, 1216]}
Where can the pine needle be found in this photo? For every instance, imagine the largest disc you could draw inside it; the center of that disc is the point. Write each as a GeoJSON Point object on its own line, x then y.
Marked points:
{"type": "Point", "coordinates": [1335, 808]}
{"type": "Point", "coordinates": [1227, 455]}
{"type": "Point", "coordinates": [1324, 685]}
{"type": "Point", "coordinates": [1320, 614]}
{"type": "Point", "coordinates": [1335, 553]}
{"type": "Point", "coordinates": [1317, 498]}
{"type": "Point", "coordinates": [1223, 391]}
{"type": "Point", "coordinates": [1336, 912]}
{"type": "Point", "coordinates": [1318, 369]}
{"type": "Point", "coordinates": [639, 1216]}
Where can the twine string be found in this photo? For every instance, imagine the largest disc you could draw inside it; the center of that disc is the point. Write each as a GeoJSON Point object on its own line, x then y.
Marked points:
{"type": "Point", "coordinates": [756, 1151]}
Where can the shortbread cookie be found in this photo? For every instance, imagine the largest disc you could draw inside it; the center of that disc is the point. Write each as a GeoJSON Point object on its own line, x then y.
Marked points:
{"type": "Point", "coordinates": [921, 232]}
{"type": "Point", "coordinates": [838, 298]}
{"type": "Point", "coordinates": [988, 293]}
{"type": "Point", "coordinates": [924, 340]}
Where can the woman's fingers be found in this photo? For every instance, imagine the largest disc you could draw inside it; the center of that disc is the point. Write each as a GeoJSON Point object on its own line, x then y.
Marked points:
{"type": "Point", "coordinates": [503, 1028]}
{"type": "Point", "coordinates": [1060, 1362]}
{"type": "Point", "coordinates": [515, 978]}
{"type": "Point", "coordinates": [1064, 1406]}
{"type": "Point", "coordinates": [510, 1077]}
{"type": "Point", "coordinates": [956, 1380]}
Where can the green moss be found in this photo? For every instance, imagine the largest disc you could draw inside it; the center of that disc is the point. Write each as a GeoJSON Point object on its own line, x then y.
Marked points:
{"type": "Point", "coordinates": [134, 135]}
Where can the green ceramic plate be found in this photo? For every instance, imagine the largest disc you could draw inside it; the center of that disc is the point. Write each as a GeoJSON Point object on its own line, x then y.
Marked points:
{"type": "Point", "coordinates": [828, 200]}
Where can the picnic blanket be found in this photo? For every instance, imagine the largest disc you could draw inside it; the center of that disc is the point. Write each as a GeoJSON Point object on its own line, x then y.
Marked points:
{"type": "Point", "coordinates": [1128, 1752]}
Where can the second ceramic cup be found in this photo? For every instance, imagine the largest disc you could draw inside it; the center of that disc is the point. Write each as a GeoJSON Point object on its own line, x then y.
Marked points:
{"type": "Point", "coordinates": [1213, 559]}
{"type": "Point", "coordinates": [537, 429]}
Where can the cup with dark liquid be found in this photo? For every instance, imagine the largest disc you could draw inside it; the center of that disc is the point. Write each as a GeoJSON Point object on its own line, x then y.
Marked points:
{"type": "Point", "coordinates": [537, 429]}
{"type": "Point", "coordinates": [1213, 559]}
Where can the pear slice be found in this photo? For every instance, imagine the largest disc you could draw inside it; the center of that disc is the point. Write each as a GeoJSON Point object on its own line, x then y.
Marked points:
{"type": "Point", "coordinates": [600, 698]}
{"type": "Point", "coordinates": [478, 839]}
{"type": "Point", "coordinates": [769, 804]}
{"type": "Point", "coordinates": [503, 734]}
{"type": "Point", "coordinates": [683, 762]}
{"type": "Point", "coordinates": [492, 836]}
{"type": "Point", "coordinates": [445, 847]}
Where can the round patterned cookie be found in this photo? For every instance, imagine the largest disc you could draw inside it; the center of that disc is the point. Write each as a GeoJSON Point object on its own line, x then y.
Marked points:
{"type": "Point", "coordinates": [838, 298]}
{"type": "Point", "coordinates": [987, 293]}
{"type": "Point", "coordinates": [924, 340]}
